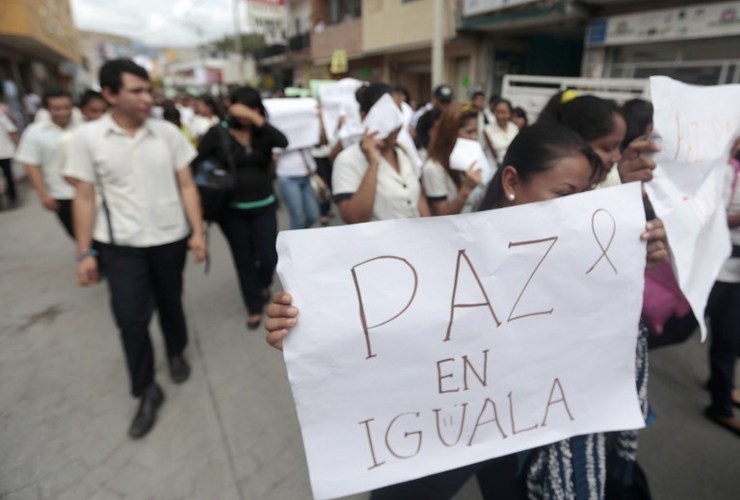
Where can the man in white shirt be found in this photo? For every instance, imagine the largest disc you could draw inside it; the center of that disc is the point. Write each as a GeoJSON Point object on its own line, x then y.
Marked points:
{"type": "Point", "coordinates": [8, 142]}
{"type": "Point", "coordinates": [40, 152]}
{"type": "Point", "coordinates": [149, 215]}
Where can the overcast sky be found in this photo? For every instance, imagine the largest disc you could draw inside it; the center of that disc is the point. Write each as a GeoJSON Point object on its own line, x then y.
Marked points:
{"type": "Point", "coordinates": [157, 22]}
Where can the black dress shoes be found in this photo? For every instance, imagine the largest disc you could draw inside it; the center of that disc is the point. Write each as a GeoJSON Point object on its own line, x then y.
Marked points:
{"type": "Point", "coordinates": [143, 422]}
{"type": "Point", "coordinates": [179, 369]}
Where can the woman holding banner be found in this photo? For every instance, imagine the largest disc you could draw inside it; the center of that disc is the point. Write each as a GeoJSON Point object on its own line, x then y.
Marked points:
{"type": "Point", "coordinates": [542, 163]}
{"type": "Point", "coordinates": [448, 191]}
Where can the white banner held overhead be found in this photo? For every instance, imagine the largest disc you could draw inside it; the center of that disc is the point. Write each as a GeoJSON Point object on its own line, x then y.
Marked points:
{"type": "Point", "coordinates": [425, 345]}
{"type": "Point", "coordinates": [695, 127]}
{"type": "Point", "coordinates": [297, 118]}
{"type": "Point", "coordinates": [337, 101]}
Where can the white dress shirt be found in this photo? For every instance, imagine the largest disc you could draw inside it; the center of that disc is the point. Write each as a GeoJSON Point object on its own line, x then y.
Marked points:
{"type": "Point", "coordinates": [137, 177]}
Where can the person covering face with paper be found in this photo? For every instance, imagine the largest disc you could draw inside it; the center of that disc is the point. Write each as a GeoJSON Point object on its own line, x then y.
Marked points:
{"type": "Point", "coordinates": [543, 162]}
{"type": "Point", "coordinates": [376, 179]}
{"type": "Point", "coordinates": [456, 161]}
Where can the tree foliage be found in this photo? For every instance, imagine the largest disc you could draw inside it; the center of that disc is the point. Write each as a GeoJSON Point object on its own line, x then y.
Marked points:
{"type": "Point", "coordinates": [251, 42]}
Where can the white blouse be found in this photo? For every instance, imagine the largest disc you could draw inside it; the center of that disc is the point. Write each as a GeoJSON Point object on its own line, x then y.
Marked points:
{"type": "Point", "coordinates": [397, 192]}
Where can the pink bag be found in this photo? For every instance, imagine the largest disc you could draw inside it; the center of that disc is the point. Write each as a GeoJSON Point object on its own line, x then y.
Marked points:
{"type": "Point", "coordinates": [662, 298]}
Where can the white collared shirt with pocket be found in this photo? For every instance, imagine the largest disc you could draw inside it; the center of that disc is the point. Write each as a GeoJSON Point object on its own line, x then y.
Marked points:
{"type": "Point", "coordinates": [137, 176]}
{"type": "Point", "coordinates": [42, 145]}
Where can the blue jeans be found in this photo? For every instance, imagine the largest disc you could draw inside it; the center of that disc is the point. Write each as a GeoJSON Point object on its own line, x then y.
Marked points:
{"type": "Point", "coordinates": [298, 196]}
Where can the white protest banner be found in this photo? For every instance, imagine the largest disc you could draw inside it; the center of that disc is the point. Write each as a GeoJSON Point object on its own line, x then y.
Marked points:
{"type": "Point", "coordinates": [338, 100]}
{"type": "Point", "coordinates": [695, 127]}
{"type": "Point", "coordinates": [297, 118]}
{"type": "Point", "coordinates": [428, 344]}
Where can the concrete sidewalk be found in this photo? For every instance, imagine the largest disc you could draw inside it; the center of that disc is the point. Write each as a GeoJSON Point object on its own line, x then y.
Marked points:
{"type": "Point", "coordinates": [231, 431]}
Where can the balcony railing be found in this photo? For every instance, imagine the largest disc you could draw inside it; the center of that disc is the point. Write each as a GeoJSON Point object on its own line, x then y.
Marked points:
{"type": "Point", "coordinates": [299, 42]}
{"type": "Point", "coordinates": [269, 51]}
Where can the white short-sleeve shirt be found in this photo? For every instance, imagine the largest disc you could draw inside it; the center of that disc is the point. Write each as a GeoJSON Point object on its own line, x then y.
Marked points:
{"type": "Point", "coordinates": [397, 192]}
{"type": "Point", "coordinates": [42, 145]}
{"type": "Point", "coordinates": [500, 138]}
{"type": "Point", "coordinates": [439, 185]}
{"type": "Point", "coordinates": [295, 163]}
{"type": "Point", "coordinates": [7, 146]}
{"type": "Point", "coordinates": [137, 177]}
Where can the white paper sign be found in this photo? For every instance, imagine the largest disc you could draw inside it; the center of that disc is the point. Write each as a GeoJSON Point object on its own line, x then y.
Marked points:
{"type": "Point", "coordinates": [695, 127]}
{"type": "Point", "coordinates": [428, 344]}
{"type": "Point", "coordinates": [465, 153]}
{"type": "Point", "coordinates": [384, 117]}
{"type": "Point", "coordinates": [297, 118]}
{"type": "Point", "coordinates": [338, 100]}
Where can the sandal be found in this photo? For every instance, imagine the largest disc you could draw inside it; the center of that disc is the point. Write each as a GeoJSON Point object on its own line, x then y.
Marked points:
{"type": "Point", "coordinates": [731, 422]}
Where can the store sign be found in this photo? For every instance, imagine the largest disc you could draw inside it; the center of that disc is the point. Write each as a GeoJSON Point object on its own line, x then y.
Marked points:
{"type": "Point", "coordinates": [266, 12]}
{"type": "Point", "coordinates": [475, 7]}
{"type": "Point", "coordinates": [696, 21]}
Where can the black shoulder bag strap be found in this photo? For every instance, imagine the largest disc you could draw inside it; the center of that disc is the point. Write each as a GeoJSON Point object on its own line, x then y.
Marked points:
{"type": "Point", "coordinates": [106, 210]}
{"type": "Point", "coordinates": [223, 133]}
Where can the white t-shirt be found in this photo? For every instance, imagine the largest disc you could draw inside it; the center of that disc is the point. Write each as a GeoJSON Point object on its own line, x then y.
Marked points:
{"type": "Point", "coordinates": [396, 194]}
{"type": "Point", "coordinates": [295, 163]}
{"type": "Point", "coordinates": [42, 145]}
{"type": "Point", "coordinates": [730, 272]}
{"type": "Point", "coordinates": [199, 125]}
{"type": "Point", "coordinates": [439, 185]}
{"type": "Point", "coordinates": [43, 115]}
{"type": "Point", "coordinates": [7, 146]}
{"type": "Point", "coordinates": [138, 178]}
{"type": "Point", "coordinates": [500, 138]}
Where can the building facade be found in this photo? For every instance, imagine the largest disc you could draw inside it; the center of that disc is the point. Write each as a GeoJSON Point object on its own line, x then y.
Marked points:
{"type": "Point", "coordinates": [390, 40]}
{"type": "Point", "coordinates": [695, 42]}
{"type": "Point", "coordinates": [39, 46]}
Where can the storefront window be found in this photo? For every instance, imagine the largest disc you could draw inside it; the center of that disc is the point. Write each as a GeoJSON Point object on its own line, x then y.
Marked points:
{"type": "Point", "coordinates": [698, 62]}
{"type": "Point", "coordinates": [344, 10]}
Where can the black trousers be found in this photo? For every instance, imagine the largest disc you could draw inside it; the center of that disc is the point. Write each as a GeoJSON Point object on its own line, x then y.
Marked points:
{"type": "Point", "coordinates": [323, 168]}
{"type": "Point", "coordinates": [5, 164]}
{"type": "Point", "coordinates": [65, 215]}
{"type": "Point", "coordinates": [498, 479]}
{"type": "Point", "coordinates": [723, 309]}
{"type": "Point", "coordinates": [252, 235]}
{"type": "Point", "coordinates": [140, 280]}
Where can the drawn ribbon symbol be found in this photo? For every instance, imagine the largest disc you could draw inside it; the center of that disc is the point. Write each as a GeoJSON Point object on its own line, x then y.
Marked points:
{"type": "Point", "coordinates": [604, 249]}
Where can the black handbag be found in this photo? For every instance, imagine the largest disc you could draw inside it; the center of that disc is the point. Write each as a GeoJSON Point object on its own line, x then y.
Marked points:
{"type": "Point", "coordinates": [215, 182]}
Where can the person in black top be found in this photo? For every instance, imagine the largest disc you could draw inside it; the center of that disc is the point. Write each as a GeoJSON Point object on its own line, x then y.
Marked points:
{"type": "Point", "coordinates": [250, 224]}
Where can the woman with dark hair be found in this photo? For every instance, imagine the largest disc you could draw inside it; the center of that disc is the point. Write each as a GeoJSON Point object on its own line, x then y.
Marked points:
{"type": "Point", "coordinates": [502, 131]}
{"type": "Point", "coordinates": [376, 179]}
{"type": "Point", "coordinates": [638, 114]}
{"type": "Point", "coordinates": [598, 121]}
{"type": "Point", "coordinates": [543, 162]}
{"type": "Point", "coordinates": [448, 191]}
{"type": "Point", "coordinates": [250, 223]}
{"type": "Point", "coordinates": [207, 114]}
{"type": "Point", "coordinates": [519, 117]}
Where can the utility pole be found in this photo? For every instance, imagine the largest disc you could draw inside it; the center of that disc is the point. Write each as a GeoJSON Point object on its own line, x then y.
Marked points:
{"type": "Point", "coordinates": [438, 16]}
{"type": "Point", "coordinates": [238, 41]}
